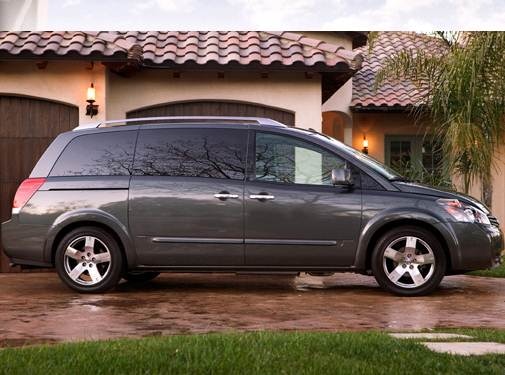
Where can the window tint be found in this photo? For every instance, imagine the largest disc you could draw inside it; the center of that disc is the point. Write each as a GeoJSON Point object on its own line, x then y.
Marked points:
{"type": "Point", "coordinates": [215, 153]}
{"type": "Point", "coordinates": [368, 183]}
{"type": "Point", "coordinates": [288, 160]}
{"type": "Point", "coordinates": [104, 154]}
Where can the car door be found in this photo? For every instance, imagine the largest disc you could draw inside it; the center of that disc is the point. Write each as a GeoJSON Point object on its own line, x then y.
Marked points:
{"type": "Point", "coordinates": [294, 216]}
{"type": "Point", "coordinates": [186, 196]}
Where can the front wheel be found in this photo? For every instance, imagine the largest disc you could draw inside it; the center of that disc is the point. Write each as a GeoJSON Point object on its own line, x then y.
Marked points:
{"type": "Point", "coordinates": [409, 261]}
{"type": "Point", "coordinates": [88, 260]}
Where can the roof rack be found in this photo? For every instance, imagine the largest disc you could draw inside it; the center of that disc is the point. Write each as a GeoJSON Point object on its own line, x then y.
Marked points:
{"type": "Point", "coordinates": [181, 119]}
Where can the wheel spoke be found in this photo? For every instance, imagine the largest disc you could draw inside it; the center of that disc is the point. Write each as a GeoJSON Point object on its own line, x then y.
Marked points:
{"type": "Point", "coordinates": [77, 271]}
{"type": "Point", "coordinates": [411, 243]}
{"type": "Point", "coordinates": [416, 276]}
{"type": "Point", "coordinates": [397, 273]}
{"type": "Point", "coordinates": [73, 253]}
{"type": "Point", "coordinates": [94, 274]}
{"type": "Point", "coordinates": [393, 254]}
{"type": "Point", "coordinates": [90, 243]}
{"type": "Point", "coordinates": [102, 257]}
{"type": "Point", "coordinates": [425, 259]}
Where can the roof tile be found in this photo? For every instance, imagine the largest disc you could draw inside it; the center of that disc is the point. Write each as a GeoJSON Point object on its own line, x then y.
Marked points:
{"type": "Point", "coordinates": [391, 94]}
{"type": "Point", "coordinates": [169, 48]}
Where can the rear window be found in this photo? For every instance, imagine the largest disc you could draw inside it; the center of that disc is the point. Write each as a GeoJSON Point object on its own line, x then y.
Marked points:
{"type": "Point", "coordinates": [212, 153]}
{"type": "Point", "coordinates": [104, 154]}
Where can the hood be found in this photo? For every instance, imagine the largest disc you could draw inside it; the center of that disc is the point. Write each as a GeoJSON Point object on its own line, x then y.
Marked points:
{"type": "Point", "coordinates": [415, 188]}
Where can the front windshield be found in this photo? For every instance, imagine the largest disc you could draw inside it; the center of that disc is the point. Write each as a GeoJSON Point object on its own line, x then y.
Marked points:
{"type": "Point", "coordinates": [372, 163]}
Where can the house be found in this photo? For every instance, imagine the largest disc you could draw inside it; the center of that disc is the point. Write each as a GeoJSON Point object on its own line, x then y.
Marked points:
{"type": "Point", "coordinates": [320, 80]}
{"type": "Point", "coordinates": [45, 77]}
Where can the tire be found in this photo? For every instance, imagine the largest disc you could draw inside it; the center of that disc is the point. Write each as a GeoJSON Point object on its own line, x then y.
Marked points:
{"type": "Point", "coordinates": [139, 276]}
{"type": "Point", "coordinates": [400, 269]}
{"type": "Point", "coordinates": [88, 260]}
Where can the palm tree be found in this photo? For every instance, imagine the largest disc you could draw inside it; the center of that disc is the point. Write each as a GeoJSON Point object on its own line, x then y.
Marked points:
{"type": "Point", "coordinates": [463, 91]}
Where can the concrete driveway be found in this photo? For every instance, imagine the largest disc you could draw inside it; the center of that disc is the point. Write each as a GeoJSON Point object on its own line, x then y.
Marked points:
{"type": "Point", "coordinates": [37, 308]}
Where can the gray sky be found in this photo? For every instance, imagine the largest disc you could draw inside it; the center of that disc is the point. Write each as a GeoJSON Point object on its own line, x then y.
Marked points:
{"type": "Point", "coordinates": [418, 15]}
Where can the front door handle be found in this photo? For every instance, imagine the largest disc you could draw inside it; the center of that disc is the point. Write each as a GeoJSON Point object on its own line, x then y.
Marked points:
{"type": "Point", "coordinates": [262, 197]}
{"type": "Point", "coordinates": [225, 195]}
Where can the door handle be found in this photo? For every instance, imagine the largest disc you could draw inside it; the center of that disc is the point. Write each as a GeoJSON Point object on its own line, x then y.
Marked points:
{"type": "Point", "coordinates": [224, 196]}
{"type": "Point", "coordinates": [262, 197]}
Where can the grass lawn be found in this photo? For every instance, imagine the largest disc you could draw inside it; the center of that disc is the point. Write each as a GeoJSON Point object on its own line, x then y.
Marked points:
{"type": "Point", "coordinates": [251, 353]}
{"type": "Point", "coordinates": [495, 272]}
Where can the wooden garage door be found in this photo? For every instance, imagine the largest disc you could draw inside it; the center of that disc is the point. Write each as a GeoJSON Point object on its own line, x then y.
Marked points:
{"type": "Point", "coordinates": [27, 127]}
{"type": "Point", "coordinates": [214, 108]}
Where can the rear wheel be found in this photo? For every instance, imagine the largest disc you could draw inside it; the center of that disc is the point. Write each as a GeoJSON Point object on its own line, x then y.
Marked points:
{"type": "Point", "coordinates": [88, 260]}
{"type": "Point", "coordinates": [409, 261]}
{"type": "Point", "coordinates": [140, 276]}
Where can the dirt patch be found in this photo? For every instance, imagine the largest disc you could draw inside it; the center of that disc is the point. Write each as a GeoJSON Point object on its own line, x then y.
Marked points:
{"type": "Point", "coordinates": [37, 308]}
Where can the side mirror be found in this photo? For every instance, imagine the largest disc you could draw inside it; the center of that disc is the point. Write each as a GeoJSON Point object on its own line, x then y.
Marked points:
{"type": "Point", "coordinates": [341, 177]}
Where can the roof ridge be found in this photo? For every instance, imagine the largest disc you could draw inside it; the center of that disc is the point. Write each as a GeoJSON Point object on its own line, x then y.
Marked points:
{"type": "Point", "coordinates": [134, 51]}
{"type": "Point", "coordinates": [355, 58]}
{"type": "Point", "coordinates": [107, 37]}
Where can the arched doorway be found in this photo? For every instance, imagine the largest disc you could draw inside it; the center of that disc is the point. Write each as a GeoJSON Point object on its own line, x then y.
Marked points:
{"type": "Point", "coordinates": [27, 127]}
{"type": "Point", "coordinates": [338, 125]}
{"type": "Point", "coordinates": [214, 108]}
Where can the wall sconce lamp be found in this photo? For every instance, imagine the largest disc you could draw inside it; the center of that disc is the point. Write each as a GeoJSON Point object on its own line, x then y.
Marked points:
{"type": "Point", "coordinates": [91, 109]}
{"type": "Point", "coordinates": [365, 145]}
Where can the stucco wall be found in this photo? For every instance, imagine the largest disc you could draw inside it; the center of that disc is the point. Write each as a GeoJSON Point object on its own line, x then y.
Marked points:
{"type": "Point", "coordinates": [291, 91]}
{"type": "Point", "coordinates": [61, 81]}
{"type": "Point", "coordinates": [377, 125]}
{"type": "Point", "coordinates": [68, 81]}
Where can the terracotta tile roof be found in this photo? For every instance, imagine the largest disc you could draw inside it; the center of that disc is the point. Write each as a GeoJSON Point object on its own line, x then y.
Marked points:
{"type": "Point", "coordinates": [29, 44]}
{"type": "Point", "coordinates": [393, 94]}
{"type": "Point", "coordinates": [281, 49]}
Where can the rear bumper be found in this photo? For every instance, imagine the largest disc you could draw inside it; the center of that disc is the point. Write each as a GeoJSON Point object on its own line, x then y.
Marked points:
{"type": "Point", "coordinates": [474, 246]}
{"type": "Point", "coordinates": [24, 243]}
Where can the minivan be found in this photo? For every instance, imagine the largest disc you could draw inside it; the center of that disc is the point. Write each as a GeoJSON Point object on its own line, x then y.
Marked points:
{"type": "Point", "coordinates": [133, 198]}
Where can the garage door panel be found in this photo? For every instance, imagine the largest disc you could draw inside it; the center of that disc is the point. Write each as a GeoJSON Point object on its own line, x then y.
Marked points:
{"type": "Point", "coordinates": [215, 108]}
{"type": "Point", "coordinates": [27, 127]}
{"type": "Point", "coordinates": [7, 190]}
{"type": "Point", "coordinates": [19, 155]}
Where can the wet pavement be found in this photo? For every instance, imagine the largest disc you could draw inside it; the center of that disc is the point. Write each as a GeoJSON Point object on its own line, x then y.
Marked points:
{"type": "Point", "coordinates": [36, 308]}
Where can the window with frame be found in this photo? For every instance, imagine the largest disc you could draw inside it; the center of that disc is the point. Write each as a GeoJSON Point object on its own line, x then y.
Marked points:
{"type": "Point", "coordinates": [191, 152]}
{"type": "Point", "coordinates": [406, 151]}
{"type": "Point", "coordinates": [288, 160]}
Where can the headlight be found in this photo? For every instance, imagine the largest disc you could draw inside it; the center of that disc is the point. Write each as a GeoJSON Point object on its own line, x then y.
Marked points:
{"type": "Point", "coordinates": [462, 213]}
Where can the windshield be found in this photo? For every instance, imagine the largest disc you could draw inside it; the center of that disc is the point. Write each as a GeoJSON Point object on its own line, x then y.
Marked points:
{"type": "Point", "coordinates": [370, 162]}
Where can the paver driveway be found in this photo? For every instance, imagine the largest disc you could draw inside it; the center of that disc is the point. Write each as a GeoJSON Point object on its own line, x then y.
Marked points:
{"type": "Point", "coordinates": [38, 308]}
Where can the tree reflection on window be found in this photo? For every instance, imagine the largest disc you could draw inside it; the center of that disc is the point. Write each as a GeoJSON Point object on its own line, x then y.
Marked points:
{"type": "Point", "coordinates": [101, 154]}
{"type": "Point", "coordinates": [214, 153]}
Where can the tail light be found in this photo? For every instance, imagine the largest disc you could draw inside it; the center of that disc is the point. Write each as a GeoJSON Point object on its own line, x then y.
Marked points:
{"type": "Point", "coordinates": [25, 191]}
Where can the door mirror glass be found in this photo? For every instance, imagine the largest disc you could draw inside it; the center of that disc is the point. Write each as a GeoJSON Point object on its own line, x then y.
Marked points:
{"type": "Point", "coordinates": [341, 176]}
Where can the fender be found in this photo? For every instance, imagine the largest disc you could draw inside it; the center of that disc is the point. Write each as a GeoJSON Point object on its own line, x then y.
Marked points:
{"type": "Point", "coordinates": [388, 216]}
{"type": "Point", "coordinates": [91, 215]}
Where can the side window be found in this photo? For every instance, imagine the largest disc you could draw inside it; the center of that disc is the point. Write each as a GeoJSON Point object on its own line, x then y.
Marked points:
{"type": "Point", "coordinates": [192, 152]}
{"type": "Point", "coordinates": [291, 161]}
{"type": "Point", "coordinates": [104, 154]}
{"type": "Point", "coordinates": [368, 183]}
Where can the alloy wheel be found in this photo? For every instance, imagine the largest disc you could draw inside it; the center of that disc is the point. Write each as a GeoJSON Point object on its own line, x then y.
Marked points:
{"type": "Point", "coordinates": [409, 262]}
{"type": "Point", "coordinates": [87, 260]}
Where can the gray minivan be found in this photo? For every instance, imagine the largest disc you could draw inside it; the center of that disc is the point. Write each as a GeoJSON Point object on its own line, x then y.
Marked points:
{"type": "Point", "coordinates": [133, 198]}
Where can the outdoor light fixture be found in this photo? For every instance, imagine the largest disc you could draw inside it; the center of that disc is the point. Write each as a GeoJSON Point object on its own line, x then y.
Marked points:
{"type": "Point", "coordinates": [91, 109]}
{"type": "Point", "coordinates": [365, 145]}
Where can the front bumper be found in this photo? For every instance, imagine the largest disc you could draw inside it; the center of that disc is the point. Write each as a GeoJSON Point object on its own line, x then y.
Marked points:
{"type": "Point", "coordinates": [474, 246]}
